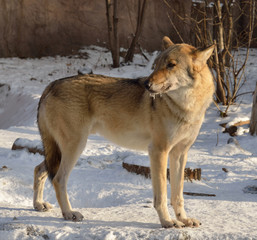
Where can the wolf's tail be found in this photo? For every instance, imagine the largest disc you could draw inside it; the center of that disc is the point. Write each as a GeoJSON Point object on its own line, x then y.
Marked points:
{"type": "Point", "coordinates": [51, 150]}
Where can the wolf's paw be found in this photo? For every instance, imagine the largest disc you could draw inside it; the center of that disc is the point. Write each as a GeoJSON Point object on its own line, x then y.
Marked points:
{"type": "Point", "coordinates": [74, 216]}
{"type": "Point", "coordinates": [42, 206]}
{"type": "Point", "coordinates": [191, 222]}
{"type": "Point", "coordinates": [172, 224]}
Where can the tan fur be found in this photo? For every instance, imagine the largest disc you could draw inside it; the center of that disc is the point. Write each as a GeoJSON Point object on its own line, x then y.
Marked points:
{"type": "Point", "coordinates": [162, 114]}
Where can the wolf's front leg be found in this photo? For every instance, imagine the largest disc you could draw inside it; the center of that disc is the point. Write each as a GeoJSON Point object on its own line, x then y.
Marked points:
{"type": "Point", "coordinates": [159, 160]}
{"type": "Point", "coordinates": [178, 158]}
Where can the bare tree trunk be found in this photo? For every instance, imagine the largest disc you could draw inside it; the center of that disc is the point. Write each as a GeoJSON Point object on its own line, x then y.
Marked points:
{"type": "Point", "coordinates": [116, 48]}
{"type": "Point", "coordinates": [109, 24]}
{"type": "Point", "coordinates": [220, 25]}
{"type": "Point", "coordinates": [227, 38]}
{"type": "Point", "coordinates": [112, 26]}
{"type": "Point", "coordinates": [220, 53]}
{"type": "Point", "coordinates": [253, 121]}
{"type": "Point", "coordinates": [220, 89]}
{"type": "Point", "coordinates": [140, 19]}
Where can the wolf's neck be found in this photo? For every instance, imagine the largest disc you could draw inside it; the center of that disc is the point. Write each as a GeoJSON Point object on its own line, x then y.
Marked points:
{"type": "Point", "coordinates": [186, 104]}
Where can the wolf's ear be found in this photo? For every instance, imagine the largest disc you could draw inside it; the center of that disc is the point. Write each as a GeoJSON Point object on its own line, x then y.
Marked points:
{"type": "Point", "coordinates": [201, 57]}
{"type": "Point", "coordinates": [166, 42]}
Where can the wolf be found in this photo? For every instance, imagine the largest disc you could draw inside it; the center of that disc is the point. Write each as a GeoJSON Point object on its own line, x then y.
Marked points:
{"type": "Point", "coordinates": [161, 114]}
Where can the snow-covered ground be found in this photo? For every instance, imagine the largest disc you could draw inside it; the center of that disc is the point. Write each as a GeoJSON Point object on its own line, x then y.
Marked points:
{"type": "Point", "coordinates": [117, 204]}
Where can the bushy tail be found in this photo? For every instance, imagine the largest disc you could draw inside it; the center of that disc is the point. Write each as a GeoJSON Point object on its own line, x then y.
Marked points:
{"type": "Point", "coordinates": [51, 151]}
{"type": "Point", "coordinates": [52, 158]}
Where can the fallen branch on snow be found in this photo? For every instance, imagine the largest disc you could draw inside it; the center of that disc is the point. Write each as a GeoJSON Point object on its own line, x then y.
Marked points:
{"type": "Point", "coordinates": [190, 174]}
{"type": "Point", "coordinates": [29, 145]}
{"type": "Point", "coordinates": [232, 130]}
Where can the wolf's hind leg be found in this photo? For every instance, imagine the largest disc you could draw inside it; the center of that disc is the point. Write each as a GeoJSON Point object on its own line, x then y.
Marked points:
{"type": "Point", "coordinates": [40, 176]}
{"type": "Point", "coordinates": [70, 154]}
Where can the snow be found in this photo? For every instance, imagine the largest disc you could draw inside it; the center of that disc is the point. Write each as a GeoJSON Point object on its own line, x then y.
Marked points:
{"type": "Point", "coordinates": [117, 204]}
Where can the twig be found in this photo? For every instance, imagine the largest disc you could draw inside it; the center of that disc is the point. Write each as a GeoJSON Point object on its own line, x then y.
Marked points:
{"type": "Point", "coordinates": [217, 138]}
{"type": "Point", "coordinates": [238, 95]}
{"type": "Point", "coordinates": [199, 194]}
{"type": "Point", "coordinates": [173, 25]}
{"type": "Point", "coordinates": [142, 52]}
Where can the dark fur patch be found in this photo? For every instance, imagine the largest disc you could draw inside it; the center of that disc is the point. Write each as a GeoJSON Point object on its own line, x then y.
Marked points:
{"type": "Point", "coordinates": [52, 160]}
{"type": "Point", "coordinates": [152, 103]}
{"type": "Point", "coordinates": [190, 73]}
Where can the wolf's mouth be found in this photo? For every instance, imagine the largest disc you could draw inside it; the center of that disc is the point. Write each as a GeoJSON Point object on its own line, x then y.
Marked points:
{"type": "Point", "coordinates": [166, 88]}
{"type": "Point", "coordinates": [160, 89]}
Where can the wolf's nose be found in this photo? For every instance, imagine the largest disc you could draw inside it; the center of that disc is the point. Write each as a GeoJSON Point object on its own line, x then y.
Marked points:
{"type": "Point", "coordinates": [148, 84]}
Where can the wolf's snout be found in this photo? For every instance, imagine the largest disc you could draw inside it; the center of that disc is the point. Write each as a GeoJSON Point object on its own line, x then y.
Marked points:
{"type": "Point", "coordinates": [152, 87]}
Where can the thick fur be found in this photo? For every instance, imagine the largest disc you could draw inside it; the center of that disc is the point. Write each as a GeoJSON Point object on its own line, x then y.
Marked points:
{"type": "Point", "coordinates": [161, 114]}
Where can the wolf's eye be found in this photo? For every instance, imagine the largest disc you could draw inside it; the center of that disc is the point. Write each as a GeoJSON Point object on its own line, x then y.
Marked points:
{"type": "Point", "coordinates": [170, 65]}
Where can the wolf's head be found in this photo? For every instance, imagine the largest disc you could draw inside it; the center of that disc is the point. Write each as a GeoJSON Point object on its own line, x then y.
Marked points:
{"type": "Point", "coordinates": [177, 66]}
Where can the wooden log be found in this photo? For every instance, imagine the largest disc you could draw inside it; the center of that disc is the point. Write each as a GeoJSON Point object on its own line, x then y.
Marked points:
{"type": "Point", "coordinates": [193, 174]}
{"type": "Point", "coordinates": [139, 170]}
{"type": "Point", "coordinates": [253, 122]}
{"type": "Point", "coordinates": [30, 146]}
{"type": "Point", "coordinates": [190, 174]}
